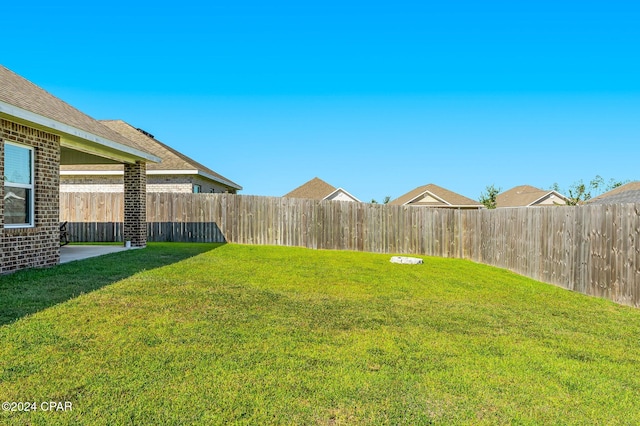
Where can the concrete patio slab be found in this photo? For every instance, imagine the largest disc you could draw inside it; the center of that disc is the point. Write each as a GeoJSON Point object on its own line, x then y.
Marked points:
{"type": "Point", "coordinates": [71, 253]}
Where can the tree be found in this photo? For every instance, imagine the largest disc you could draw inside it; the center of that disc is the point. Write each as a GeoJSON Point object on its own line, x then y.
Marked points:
{"type": "Point", "coordinates": [384, 201]}
{"type": "Point", "coordinates": [488, 198]}
{"type": "Point", "coordinates": [579, 192]}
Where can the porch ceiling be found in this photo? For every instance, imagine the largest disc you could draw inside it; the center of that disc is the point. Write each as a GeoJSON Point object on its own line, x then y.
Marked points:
{"type": "Point", "coordinates": [70, 157]}
{"type": "Point", "coordinates": [76, 150]}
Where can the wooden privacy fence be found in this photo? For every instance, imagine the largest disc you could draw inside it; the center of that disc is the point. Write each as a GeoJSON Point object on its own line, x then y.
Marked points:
{"type": "Point", "coordinates": [204, 232]}
{"type": "Point", "coordinates": [594, 250]}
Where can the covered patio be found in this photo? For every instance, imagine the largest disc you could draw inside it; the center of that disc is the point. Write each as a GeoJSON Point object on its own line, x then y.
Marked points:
{"type": "Point", "coordinates": [133, 161]}
{"type": "Point", "coordinates": [81, 252]}
{"type": "Point", "coordinates": [38, 133]}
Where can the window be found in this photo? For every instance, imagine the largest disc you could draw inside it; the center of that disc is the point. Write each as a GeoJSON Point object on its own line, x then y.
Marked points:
{"type": "Point", "coordinates": [18, 185]}
{"type": "Point", "coordinates": [197, 189]}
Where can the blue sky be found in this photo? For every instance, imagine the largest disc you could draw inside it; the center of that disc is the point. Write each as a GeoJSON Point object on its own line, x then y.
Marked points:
{"type": "Point", "coordinates": [375, 97]}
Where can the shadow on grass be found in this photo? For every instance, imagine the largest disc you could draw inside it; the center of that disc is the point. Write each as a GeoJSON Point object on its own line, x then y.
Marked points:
{"type": "Point", "coordinates": [26, 292]}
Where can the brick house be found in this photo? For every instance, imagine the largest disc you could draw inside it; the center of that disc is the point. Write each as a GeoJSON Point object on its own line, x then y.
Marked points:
{"type": "Point", "coordinates": [38, 133]}
{"type": "Point", "coordinates": [175, 173]}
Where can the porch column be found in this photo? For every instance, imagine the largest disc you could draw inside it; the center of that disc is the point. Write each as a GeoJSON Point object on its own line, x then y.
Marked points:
{"type": "Point", "coordinates": [135, 204]}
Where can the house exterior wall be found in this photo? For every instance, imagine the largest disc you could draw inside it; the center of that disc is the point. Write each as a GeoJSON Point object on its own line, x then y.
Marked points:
{"type": "Point", "coordinates": [427, 200]}
{"type": "Point", "coordinates": [155, 183]}
{"type": "Point", "coordinates": [340, 196]}
{"type": "Point", "coordinates": [92, 183]}
{"type": "Point", "coordinates": [183, 183]}
{"type": "Point", "coordinates": [551, 200]}
{"type": "Point", "coordinates": [37, 246]}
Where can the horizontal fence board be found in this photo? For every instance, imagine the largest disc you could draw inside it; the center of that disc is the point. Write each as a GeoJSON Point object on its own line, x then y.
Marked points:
{"type": "Point", "coordinates": [592, 249]}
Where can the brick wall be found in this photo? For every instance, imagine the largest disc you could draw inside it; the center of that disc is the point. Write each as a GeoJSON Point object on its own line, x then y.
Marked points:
{"type": "Point", "coordinates": [183, 183]}
{"type": "Point", "coordinates": [179, 184]}
{"type": "Point", "coordinates": [38, 246]}
{"type": "Point", "coordinates": [135, 203]}
{"type": "Point", "coordinates": [91, 184]}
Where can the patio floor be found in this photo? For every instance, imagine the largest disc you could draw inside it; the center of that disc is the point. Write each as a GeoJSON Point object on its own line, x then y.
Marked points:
{"type": "Point", "coordinates": [71, 253]}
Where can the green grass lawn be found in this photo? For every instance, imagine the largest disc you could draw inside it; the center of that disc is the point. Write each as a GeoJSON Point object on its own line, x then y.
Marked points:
{"type": "Point", "coordinates": [211, 334]}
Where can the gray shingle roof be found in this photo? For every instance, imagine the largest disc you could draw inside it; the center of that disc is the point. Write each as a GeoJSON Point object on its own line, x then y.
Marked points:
{"type": "Point", "coordinates": [632, 196]}
{"type": "Point", "coordinates": [171, 159]}
{"type": "Point", "coordinates": [628, 193]}
{"type": "Point", "coordinates": [19, 92]}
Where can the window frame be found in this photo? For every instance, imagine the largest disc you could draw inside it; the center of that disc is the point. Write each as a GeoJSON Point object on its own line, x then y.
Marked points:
{"type": "Point", "coordinates": [31, 186]}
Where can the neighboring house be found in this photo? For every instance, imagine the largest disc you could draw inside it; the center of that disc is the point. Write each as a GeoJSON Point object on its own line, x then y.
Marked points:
{"type": "Point", "coordinates": [627, 193]}
{"type": "Point", "coordinates": [435, 196]}
{"type": "Point", "coordinates": [38, 133]}
{"type": "Point", "coordinates": [176, 172]}
{"type": "Point", "coordinates": [530, 196]}
{"type": "Point", "coordinates": [317, 189]}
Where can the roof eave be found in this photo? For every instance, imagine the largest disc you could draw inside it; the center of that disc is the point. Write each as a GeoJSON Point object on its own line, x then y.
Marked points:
{"type": "Point", "coordinates": [195, 172]}
{"type": "Point", "coordinates": [149, 172]}
{"type": "Point", "coordinates": [343, 190]}
{"type": "Point", "coordinates": [220, 180]}
{"type": "Point", "coordinates": [562, 197]}
{"type": "Point", "coordinates": [430, 193]}
{"type": "Point", "coordinates": [77, 139]}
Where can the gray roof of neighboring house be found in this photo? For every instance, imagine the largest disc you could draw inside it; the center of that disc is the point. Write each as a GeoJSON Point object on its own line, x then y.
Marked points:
{"type": "Point", "coordinates": [172, 160]}
{"type": "Point", "coordinates": [523, 196]}
{"type": "Point", "coordinates": [449, 198]}
{"type": "Point", "coordinates": [21, 93]}
{"type": "Point", "coordinates": [628, 193]}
